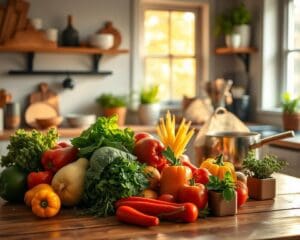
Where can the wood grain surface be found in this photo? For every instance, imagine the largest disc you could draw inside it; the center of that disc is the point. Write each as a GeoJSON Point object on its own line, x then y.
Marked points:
{"type": "Point", "coordinates": [271, 219]}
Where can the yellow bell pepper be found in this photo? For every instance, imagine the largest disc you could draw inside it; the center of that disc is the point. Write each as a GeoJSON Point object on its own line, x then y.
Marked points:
{"type": "Point", "coordinates": [217, 167]}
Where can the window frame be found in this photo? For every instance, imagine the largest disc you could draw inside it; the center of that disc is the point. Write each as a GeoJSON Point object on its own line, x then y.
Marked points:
{"type": "Point", "coordinates": [170, 57]}
{"type": "Point", "coordinates": [206, 59]}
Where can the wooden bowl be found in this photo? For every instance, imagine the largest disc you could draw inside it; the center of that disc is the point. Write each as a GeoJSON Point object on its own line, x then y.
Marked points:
{"type": "Point", "coordinates": [49, 122]}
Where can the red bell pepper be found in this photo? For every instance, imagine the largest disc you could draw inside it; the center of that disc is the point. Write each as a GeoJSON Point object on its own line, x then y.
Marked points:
{"type": "Point", "coordinates": [36, 178]}
{"type": "Point", "coordinates": [55, 159]}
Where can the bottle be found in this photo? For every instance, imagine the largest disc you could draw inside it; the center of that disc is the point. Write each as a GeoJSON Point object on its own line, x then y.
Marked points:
{"type": "Point", "coordinates": [70, 36]}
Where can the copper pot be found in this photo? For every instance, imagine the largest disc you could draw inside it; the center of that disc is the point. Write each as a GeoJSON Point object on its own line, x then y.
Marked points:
{"type": "Point", "coordinates": [235, 145]}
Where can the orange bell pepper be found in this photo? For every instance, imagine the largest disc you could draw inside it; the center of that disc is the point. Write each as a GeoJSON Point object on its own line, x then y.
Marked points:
{"type": "Point", "coordinates": [45, 203]}
{"type": "Point", "coordinates": [173, 178]}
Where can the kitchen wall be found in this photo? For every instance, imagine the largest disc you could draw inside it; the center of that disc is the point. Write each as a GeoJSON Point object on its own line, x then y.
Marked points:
{"type": "Point", "coordinates": [88, 16]}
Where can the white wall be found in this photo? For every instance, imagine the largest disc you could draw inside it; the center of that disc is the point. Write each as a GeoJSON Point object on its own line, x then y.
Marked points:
{"type": "Point", "coordinates": [89, 16]}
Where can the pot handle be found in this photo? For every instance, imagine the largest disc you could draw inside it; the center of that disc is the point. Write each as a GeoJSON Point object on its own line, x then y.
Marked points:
{"type": "Point", "coordinates": [220, 110]}
{"type": "Point", "coordinates": [273, 138]}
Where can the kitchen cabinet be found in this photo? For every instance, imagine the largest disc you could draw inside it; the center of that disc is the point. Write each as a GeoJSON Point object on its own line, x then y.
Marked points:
{"type": "Point", "coordinates": [29, 53]}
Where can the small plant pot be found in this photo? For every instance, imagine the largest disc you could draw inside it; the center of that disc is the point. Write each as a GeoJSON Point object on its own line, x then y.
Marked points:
{"type": "Point", "coordinates": [219, 206]}
{"type": "Point", "coordinates": [261, 189]}
{"type": "Point", "coordinates": [119, 111]}
{"type": "Point", "coordinates": [291, 121]}
{"type": "Point", "coordinates": [149, 113]}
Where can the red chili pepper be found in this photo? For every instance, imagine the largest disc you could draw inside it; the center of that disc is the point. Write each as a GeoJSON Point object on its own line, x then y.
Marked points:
{"type": "Point", "coordinates": [36, 178]}
{"type": "Point", "coordinates": [186, 212]}
{"type": "Point", "coordinates": [142, 199]}
{"type": "Point", "coordinates": [55, 159]}
{"type": "Point", "coordinates": [130, 215]}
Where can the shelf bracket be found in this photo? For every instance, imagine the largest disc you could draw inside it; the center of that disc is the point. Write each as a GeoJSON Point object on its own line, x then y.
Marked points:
{"type": "Point", "coordinates": [96, 60]}
{"type": "Point", "coordinates": [29, 61]}
{"type": "Point", "coordinates": [245, 57]}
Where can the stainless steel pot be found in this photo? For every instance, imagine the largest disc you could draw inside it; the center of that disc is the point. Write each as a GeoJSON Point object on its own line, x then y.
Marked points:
{"type": "Point", "coordinates": [235, 145]}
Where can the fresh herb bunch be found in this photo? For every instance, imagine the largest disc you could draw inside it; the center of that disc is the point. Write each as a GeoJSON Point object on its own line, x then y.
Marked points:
{"type": "Point", "coordinates": [149, 95]}
{"type": "Point", "coordinates": [26, 148]}
{"type": "Point", "coordinates": [170, 156]}
{"type": "Point", "coordinates": [290, 105]}
{"type": "Point", "coordinates": [240, 15]}
{"type": "Point", "coordinates": [262, 168]}
{"type": "Point", "coordinates": [113, 174]}
{"type": "Point", "coordinates": [108, 100]}
{"type": "Point", "coordinates": [104, 132]}
{"type": "Point", "coordinates": [226, 186]}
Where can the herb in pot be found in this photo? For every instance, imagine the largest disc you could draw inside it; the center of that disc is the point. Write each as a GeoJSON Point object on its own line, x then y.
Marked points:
{"type": "Point", "coordinates": [108, 100]}
{"type": "Point", "coordinates": [104, 132]}
{"type": "Point", "coordinates": [290, 105]}
{"type": "Point", "coordinates": [149, 95]}
{"type": "Point", "coordinates": [225, 186]}
{"type": "Point", "coordinates": [26, 148]}
{"type": "Point", "coordinates": [262, 168]}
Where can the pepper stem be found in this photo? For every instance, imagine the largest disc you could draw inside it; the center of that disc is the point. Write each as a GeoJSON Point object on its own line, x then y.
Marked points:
{"type": "Point", "coordinates": [219, 160]}
{"type": "Point", "coordinates": [44, 204]}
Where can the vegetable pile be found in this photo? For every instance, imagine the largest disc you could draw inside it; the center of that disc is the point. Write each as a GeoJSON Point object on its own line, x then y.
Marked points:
{"type": "Point", "coordinates": [111, 171]}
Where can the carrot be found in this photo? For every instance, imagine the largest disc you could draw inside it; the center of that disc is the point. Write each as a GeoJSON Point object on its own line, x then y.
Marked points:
{"type": "Point", "coordinates": [129, 215]}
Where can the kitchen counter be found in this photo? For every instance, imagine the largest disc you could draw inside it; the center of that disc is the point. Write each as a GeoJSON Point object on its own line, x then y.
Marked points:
{"type": "Point", "coordinates": [270, 219]}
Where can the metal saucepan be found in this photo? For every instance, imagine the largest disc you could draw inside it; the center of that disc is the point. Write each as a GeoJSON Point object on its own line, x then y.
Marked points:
{"type": "Point", "coordinates": [235, 145]}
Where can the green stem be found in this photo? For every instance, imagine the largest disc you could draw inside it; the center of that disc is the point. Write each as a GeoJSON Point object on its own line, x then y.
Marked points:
{"type": "Point", "coordinates": [219, 160]}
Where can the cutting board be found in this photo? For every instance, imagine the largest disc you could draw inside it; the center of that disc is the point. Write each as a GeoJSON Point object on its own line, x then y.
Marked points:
{"type": "Point", "coordinates": [45, 95]}
{"type": "Point", "coordinates": [109, 28]}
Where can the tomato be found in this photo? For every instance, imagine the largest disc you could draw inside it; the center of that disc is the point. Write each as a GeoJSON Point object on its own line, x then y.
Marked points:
{"type": "Point", "coordinates": [196, 194]}
{"type": "Point", "coordinates": [242, 193]}
{"type": "Point", "coordinates": [166, 198]}
{"type": "Point", "coordinates": [201, 175]}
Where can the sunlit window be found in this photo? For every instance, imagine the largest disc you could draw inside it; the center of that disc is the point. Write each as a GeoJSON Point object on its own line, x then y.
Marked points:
{"type": "Point", "coordinates": [170, 52]}
{"type": "Point", "coordinates": [293, 48]}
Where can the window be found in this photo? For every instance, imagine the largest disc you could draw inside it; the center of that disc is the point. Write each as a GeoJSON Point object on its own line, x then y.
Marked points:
{"type": "Point", "coordinates": [170, 51]}
{"type": "Point", "coordinates": [292, 48]}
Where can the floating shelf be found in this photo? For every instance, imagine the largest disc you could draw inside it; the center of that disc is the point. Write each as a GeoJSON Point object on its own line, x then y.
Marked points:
{"type": "Point", "coordinates": [31, 51]}
{"type": "Point", "coordinates": [242, 53]}
{"type": "Point", "coordinates": [225, 50]}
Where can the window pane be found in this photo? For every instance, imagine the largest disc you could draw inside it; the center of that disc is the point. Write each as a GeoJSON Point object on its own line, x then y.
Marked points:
{"type": "Point", "coordinates": [183, 75]}
{"type": "Point", "coordinates": [293, 83]}
{"type": "Point", "coordinates": [182, 33]}
{"type": "Point", "coordinates": [156, 26]}
{"type": "Point", "coordinates": [157, 71]}
{"type": "Point", "coordinates": [295, 18]}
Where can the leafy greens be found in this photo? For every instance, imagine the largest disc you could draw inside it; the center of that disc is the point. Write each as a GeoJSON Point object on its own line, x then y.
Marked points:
{"type": "Point", "coordinates": [112, 174]}
{"type": "Point", "coordinates": [104, 132]}
{"type": "Point", "coordinates": [26, 148]}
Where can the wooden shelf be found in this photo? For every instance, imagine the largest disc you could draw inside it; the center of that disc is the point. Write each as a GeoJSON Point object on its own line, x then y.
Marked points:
{"type": "Point", "coordinates": [64, 50]}
{"type": "Point", "coordinates": [228, 51]}
{"type": "Point", "coordinates": [30, 52]}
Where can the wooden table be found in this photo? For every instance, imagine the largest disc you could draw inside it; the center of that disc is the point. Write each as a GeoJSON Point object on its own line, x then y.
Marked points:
{"type": "Point", "coordinates": [278, 218]}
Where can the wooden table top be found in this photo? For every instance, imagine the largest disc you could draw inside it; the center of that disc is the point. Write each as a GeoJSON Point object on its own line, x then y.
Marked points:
{"type": "Point", "coordinates": [270, 219]}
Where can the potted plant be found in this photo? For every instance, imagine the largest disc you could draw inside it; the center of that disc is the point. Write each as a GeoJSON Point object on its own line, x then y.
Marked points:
{"type": "Point", "coordinates": [149, 108]}
{"type": "Point", "coordinates": [222, 197]}
{"type": "Point", "coordinates": [291, 113]}
{"type": "Point", "coordinates": [113, 105]}
{"type": "Point", "coordinates": [261, 185]}
{"type": "Point", "coordinates": [241, 18]}
{"type": "Point", "coordinates": [225, 26]}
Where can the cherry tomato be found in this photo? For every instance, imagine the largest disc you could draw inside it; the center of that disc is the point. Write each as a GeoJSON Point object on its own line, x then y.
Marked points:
{"type": "Point", "coordinates": [242, 193]}
{"type": "Point", "coordinates": [201, 175]}
{"type": "Point", "coordinates": [166, 198]}
{"type": "Point", "coordinates": [196, 194]}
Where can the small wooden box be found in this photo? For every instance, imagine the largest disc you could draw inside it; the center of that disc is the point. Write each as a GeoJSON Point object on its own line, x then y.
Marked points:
{"type": "Point", "coordinates": [261, 189]}
{"type": "Point", "coordinates": [219, 206]}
